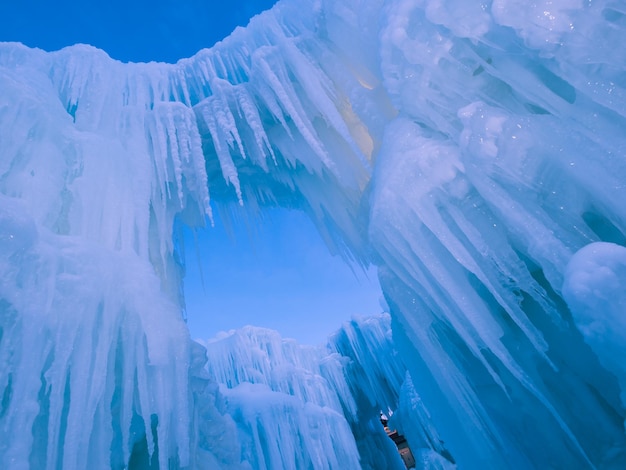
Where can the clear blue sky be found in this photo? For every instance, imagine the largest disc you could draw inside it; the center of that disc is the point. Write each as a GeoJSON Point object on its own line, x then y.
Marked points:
{"type": "Point", "coordinates": [278, 275]}
{"type": "Point", "coordinates": [281, 276]}
{"type": "Point", "coordinates": [129, 30]}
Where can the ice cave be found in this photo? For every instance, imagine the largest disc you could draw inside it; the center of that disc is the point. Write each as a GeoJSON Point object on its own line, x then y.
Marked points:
{"type": "Point", "coordinates": [474, 153]}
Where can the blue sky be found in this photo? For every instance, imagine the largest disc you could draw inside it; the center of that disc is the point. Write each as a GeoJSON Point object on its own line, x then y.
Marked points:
{"type": "Point", "coordinates": [280, 275]}
{"type": "Point", "coordinates": [129, 30]}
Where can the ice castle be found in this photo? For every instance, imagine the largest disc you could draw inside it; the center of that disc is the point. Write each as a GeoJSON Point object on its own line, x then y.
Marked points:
{"type": "Point", "coordinates": [474, 152]}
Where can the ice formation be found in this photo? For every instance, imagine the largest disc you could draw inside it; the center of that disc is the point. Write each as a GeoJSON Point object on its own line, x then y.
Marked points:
{"type": "Point", "coordinates": [470, 150]}
{"type": "Point", "coordinates": [292, 404]}
{"type": "Point", "coordinates": [298, 406]}
{"type": "Point", "coordinates": [594, 290]}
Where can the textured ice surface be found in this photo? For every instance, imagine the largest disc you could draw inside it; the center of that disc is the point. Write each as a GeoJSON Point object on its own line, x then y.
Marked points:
{"type": "Point", "coordinates": [288, 400]}
{"type": "Point", "coordinates": [469, 151]}
{"type": "Point", "coordinates": [594, 289]}
{"type": "Point", "coordinates": [317, 407]}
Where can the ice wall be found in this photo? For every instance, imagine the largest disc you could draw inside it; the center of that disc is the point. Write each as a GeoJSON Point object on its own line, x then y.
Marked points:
{"type": "Point", "coordinates": [302, 406]}
{"type": "Point", "coordinates": [467, 149]}
{"type": "Point", "coordinates": [287, 400]}
{"type": "Point", "coordinates": [594, 290]}
{"type": "Point", "coordinates": [379, 382]}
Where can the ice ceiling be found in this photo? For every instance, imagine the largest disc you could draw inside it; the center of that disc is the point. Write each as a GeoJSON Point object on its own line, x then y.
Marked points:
{"type": "Point", "coordinates": [474, 152]}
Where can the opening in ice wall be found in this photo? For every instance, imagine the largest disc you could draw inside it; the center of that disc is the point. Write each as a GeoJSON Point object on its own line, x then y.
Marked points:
{"type": "Point", "coordinates": [469, 151]}
{"type": "Point", "coordinates": [276, 273]}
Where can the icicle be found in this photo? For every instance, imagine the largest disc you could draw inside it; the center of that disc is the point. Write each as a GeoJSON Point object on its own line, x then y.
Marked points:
{"type": "Point", "coordinates": [229, 171]}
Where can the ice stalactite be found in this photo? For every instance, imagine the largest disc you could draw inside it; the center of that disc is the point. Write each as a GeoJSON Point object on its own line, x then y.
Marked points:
{"type": "Point", "coordinates": [297, 406]}
{"type": "Point", "coordinates": [594, 290]}
{"type": "Point", "coordinates": [378, 379]}
{"type": "Point", "coordinates": [287, 400]}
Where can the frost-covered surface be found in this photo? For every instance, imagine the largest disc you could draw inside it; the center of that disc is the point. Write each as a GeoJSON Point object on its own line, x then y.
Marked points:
{"type": "Point", "coordinates": [467, 149]}
{"type": "Point", "coordinates": [378, 378]}
{"type": "Point", "coordinates": [85, 360]}
{"type": "Point", "coordinates": [302, 406]}
{"type": "Point", "coordinates": [288, 400]}
{"type": "Point", "coordinates": [376, 370]}
{"type": "Point", "coordinates": [595, 291]}
{"type": "Point", "coordinates": [412, 420]}
{"type": "Point", "coordinates": [261, 356]}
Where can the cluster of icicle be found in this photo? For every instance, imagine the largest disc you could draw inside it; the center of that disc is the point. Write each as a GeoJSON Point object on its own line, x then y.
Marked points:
{"type": "Point", "coordinates": [469, 150]}
{"type": "Point", "coordinates": [297, 406]}
{"type": "Point", "coordinates": [287, 400]}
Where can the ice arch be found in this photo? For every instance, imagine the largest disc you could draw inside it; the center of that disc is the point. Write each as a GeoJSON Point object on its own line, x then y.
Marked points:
{"type": "Point", "coordinates": [467, 150]}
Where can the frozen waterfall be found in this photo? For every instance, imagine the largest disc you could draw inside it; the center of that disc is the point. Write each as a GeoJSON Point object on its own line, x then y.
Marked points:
{"type": "Point", "coordinates": [475, 152]}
